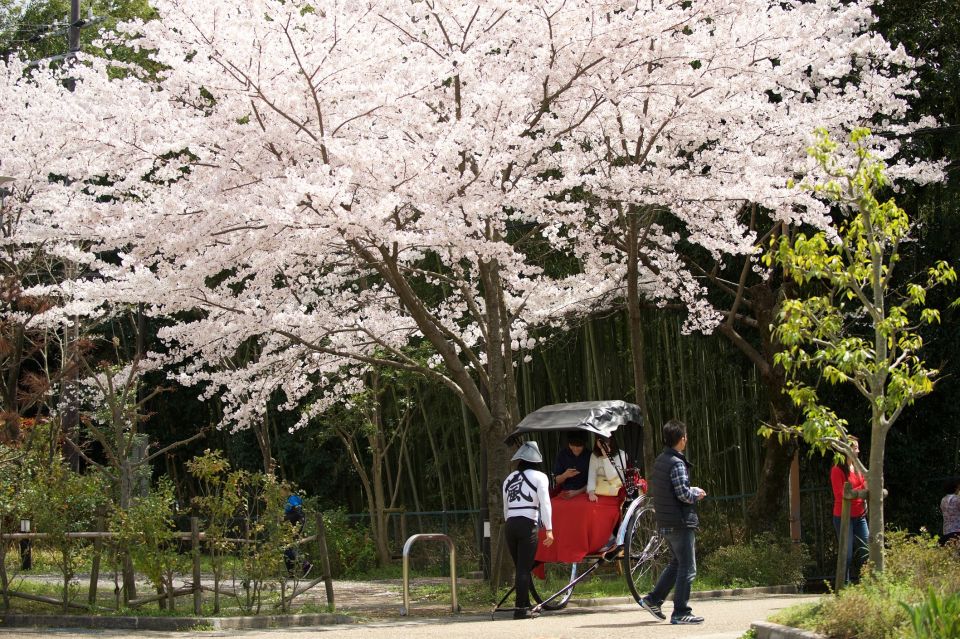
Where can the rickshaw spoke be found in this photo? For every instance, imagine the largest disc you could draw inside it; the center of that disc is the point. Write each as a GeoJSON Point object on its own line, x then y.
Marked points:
{"type": "Point", "coordinates": [644, 552]}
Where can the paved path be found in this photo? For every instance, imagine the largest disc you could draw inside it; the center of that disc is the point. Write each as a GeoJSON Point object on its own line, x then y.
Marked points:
{"type": "Point", "coordinates": [727, 618]}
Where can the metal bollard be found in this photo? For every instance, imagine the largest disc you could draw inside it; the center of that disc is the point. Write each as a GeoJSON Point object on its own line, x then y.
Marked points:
{"type": "Point", "coordinates": [405, 608]}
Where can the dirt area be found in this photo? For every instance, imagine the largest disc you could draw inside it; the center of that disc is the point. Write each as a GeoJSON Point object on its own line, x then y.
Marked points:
{"type": "Point", "coordinates": [384, 598]}
{"type": "Point", "coordinates": [364, 599]}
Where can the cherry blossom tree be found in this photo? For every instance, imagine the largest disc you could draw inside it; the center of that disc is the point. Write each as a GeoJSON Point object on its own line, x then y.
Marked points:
{"type": "Point", "coordinates": [353, 184]}
{"type": "Point", "coordinates": [693, 179]}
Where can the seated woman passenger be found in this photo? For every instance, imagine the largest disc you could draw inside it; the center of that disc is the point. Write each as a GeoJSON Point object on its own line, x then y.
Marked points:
{"type": "Point", "coordinates": [603, 477]}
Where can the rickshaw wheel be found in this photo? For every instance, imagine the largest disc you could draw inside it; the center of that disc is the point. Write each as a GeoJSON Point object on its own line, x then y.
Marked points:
{"type": "Point", "coordinates": [645, 555]}
{"type": "Point", "coordinates": [560, 602]}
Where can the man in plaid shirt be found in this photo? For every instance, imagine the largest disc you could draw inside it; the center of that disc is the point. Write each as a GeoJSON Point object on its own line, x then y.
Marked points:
{"type": "Point", "coordinates": [674, 501]}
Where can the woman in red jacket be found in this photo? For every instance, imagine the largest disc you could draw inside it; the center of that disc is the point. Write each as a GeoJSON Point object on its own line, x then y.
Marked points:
{"type": "Point", "coordinates": [859, 533]}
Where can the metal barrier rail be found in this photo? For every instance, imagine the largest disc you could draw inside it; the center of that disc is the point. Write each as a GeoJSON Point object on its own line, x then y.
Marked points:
{"type": "Point", "coordinates": [454, 606]}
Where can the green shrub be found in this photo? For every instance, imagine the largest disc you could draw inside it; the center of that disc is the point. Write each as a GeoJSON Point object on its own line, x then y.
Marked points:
{"type": "Point", "coordinates": [920, 578]}
{"type": "Point", "coordinates": [351, 547]}
{"type": "Point", "coordinates": [721, 524]}
{"type": "Point", "coordinates": [764, 561]}
{"type": "Point", "coordinates": [920, 561]}
{"type": "Point", "coordinates": [868, 610]}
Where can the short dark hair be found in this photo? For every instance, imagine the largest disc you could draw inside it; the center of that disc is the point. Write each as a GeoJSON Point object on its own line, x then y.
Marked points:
{"type": "Point", "coordinates": [528, 465]}
{"type": "Point", "coordinates": [673, 432]}
{"type": "Point", "coordinates": [577, 438]}
{"type": "Point", "coordinates": [951, 485]}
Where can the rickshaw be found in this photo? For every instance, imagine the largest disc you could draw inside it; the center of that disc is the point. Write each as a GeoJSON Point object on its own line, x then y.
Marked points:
{"type": "Point", "coordinates": [634, 541]}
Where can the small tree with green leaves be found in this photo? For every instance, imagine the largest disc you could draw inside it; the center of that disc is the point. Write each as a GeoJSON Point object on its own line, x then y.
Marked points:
{"type": "Point", "coordinates": [146, 530]}
{"type": "Point", "coordinates": [856, 325]}
{"type": "Point", "coordinates": [219, 501]}
{"type": "Point", "coordinates": [267, 536]}
{"type": "Point", "coordinates": [60, 502]}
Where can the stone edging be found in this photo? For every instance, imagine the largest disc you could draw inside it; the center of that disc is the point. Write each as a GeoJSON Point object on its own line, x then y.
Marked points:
{"type": "Point", "coordinates": [324, 619]}
{"type": "Point", "coordinates": [171, 623]}
{"type": "Point", "coordinates": [767, 630]}
{"type": "Point", "coordinates": [698, 594]}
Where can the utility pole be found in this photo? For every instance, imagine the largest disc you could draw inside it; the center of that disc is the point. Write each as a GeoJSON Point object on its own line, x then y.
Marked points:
{"type": "Point", "coordinates": [73, 34]}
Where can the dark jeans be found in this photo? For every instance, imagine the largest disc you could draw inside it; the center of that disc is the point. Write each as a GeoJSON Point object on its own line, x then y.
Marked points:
{"type": "Point", "coordinates": [681, 571]}
{"type": "Point", "coordinates": [857, 550]}
{"type": "Point", "coordinates": [521, 538]}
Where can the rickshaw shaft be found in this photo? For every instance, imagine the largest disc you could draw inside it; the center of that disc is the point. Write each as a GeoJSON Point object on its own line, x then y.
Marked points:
{"type": "Point", "coordinates": [569, 586]}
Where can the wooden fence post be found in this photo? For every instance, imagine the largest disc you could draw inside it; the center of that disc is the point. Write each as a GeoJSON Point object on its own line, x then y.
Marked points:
{"type": "Point", "coordinates": [97, 551]}
{"type": "Point", "coordinates": [3, 569]}
{"type": "Point", "coordinates": [324, 559]}
{"type": "Point", "coordinates": [195, 549]}
{"type": "Point", "coordinates": [841, 576]}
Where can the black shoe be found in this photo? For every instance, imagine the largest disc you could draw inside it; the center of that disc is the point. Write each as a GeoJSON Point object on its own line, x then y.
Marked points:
{"type": "Point", "coordinates": [652, 608]}
{"type": "Point", "coordinates": [522, 613]}
{"type": "Point", "coordinates": [686, 620]}
{"type": "Point", "coordinates": [609, 545]}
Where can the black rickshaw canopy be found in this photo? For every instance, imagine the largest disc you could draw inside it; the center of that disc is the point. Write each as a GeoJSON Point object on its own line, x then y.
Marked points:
{"type": "Point", "coordinates": [600, 418]}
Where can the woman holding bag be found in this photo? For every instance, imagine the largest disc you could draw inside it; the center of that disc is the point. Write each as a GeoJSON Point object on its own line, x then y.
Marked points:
{"type": "Point", "coordinates": [603, 477]}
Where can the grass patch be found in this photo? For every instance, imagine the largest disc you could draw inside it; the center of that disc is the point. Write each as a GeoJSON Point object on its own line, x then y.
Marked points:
{"type": "Point", "coordinates": [803, 616]}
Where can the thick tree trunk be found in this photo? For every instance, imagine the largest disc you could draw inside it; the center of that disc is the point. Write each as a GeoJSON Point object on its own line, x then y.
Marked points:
{"type": "Point", "coordinates": [637, 349]}
{"type": "Point", "coordinates": [486, 400]}
{"type": "Point", "coordinates": [765, 509]}
{"type": "Point", "coordinates": [261, 431]}
{"type": "Point", "coordinates": [126, 497]}
{"type": "Point", "coordinates": [498, 466]}
{"type": "Point", "coordinates": [11, 386]}
{"type": "Point", "coordinates": [502, 399]}
{"type": "Point", "coordinates": [378, 514]}
{"type": "Point", "coordinates": [878, 443]}
{"type": "Point", "coordinates": [471, 460]}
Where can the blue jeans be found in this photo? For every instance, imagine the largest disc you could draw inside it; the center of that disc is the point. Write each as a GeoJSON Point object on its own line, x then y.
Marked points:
{"type": "Point", "coordinates": [681, 571]}
{"type": "Point", "coordinates": [857, 550]}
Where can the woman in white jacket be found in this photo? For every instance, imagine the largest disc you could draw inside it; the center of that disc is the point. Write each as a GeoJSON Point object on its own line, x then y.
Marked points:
{"type": "Point", "coordinates": [604, 477]}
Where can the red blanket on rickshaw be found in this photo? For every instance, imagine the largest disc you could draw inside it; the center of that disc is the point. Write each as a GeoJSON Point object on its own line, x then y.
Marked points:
{"type": "Point", "coordinates": [580, 527]}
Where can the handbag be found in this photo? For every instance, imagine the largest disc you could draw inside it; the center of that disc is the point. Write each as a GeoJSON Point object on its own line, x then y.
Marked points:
{"type": "Point", "coordinates": [608, 487]}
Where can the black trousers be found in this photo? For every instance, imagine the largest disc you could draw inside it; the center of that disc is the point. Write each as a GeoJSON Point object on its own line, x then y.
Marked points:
{"type": "Point", "coordinates": [521, 538]}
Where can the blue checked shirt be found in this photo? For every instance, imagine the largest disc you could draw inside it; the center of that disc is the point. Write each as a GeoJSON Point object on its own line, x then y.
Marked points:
{"type": "Point", "coordinates": [680, 481]}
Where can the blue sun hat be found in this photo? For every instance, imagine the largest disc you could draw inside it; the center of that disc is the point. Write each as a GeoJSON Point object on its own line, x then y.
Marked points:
{"type": "Point", "coordinates": [528, 452]}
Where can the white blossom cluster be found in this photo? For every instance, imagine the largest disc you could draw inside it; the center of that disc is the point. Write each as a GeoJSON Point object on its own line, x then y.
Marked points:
{"type": "Point", "coordinates": [310, 187]}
